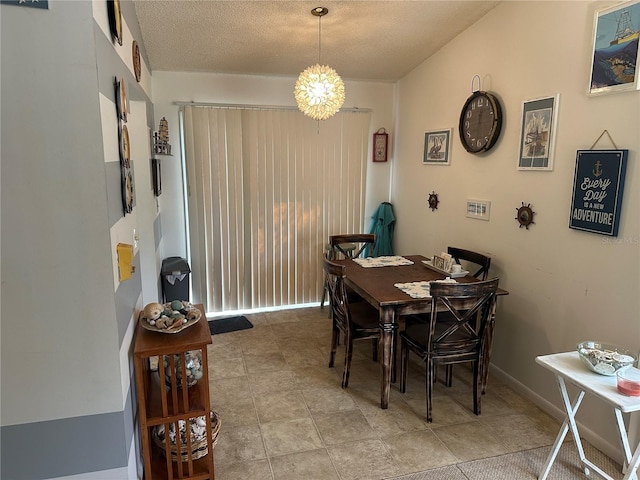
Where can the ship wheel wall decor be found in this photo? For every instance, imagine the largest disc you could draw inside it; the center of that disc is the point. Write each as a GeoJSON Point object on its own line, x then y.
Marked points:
{"type": "Point", "coordinates": [525, 215]}
{"type": "Point", "coordinates": [433, 201]}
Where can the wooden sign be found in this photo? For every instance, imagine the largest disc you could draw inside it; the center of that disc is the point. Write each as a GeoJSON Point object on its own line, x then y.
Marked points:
{"type": "Point", "coordinates": [598, 185]}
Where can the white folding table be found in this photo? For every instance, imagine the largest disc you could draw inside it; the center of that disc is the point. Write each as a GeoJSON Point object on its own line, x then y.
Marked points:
{"type": "Point", "coordinates": [568, 367]}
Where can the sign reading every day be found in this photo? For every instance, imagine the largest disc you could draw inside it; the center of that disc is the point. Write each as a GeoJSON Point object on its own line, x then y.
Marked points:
{"type": "Point", "coordinates": [598, 185]}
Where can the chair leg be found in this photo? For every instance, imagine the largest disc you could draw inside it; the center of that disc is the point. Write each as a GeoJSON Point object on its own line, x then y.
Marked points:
{"type": "Point", "coordinates": [324, 292]}
{"type": "Point", "coordinates": [477, 387]}
{"type": "Point", "coordinates": [334, 342]}
{"type": "Point", "coordinates": [404, 364]}
{"type": "Point", "coordinates": [348, 343]}
{"type": "Point", "coordinates": [429, 382]}
{"type": "Point", "coordinates": [448, 375]}
{"type": "Point", "coordinates": [374, 348]}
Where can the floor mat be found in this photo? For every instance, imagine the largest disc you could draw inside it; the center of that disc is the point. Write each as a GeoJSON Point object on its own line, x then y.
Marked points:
{"type": "Point", "coordinates": [231, 324]}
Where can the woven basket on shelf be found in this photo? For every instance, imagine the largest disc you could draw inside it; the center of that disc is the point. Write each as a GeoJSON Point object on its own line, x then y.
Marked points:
{"type": "Point", "coordinates": [199, 447]}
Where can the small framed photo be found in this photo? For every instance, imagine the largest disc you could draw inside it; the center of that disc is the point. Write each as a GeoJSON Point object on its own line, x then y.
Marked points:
{"type": "Point", "coordinates": [437, 146]}
{"type": "Point", "coordinates": [614, 57]}
{"type": "Point", "coordinates": [478, 209]}
{"type": "Point", "coordinates": [538, 133]}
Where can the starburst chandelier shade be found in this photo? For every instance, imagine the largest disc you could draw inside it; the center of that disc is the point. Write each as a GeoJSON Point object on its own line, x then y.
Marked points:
{"type": "Point", "coordinates": [319, 91]}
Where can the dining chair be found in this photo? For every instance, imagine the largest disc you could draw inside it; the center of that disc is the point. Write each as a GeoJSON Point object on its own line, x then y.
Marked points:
{"type": "Point", "coordinates": [347, 245]}
{"type": "Point", "coordinates": [355, 321]}
{"type": "Point", "coordinates": [482, 262]}
{"type": "Point", "coordinates": [447, 343]}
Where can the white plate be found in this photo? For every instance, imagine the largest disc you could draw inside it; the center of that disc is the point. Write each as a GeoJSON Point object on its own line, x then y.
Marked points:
{"type": "Point", "coordinates": [460, 274]}
{"type": "Point", "coordinates": [429, 264]}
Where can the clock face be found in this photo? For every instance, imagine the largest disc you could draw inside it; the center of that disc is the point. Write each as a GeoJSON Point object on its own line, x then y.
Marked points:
{"type": "Point", "coordinates": [480, 122]}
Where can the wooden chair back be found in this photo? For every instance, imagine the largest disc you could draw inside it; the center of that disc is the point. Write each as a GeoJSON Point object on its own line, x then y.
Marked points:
{"type": "Point", "coordinates": [357, 242]}
{"type": "Point", "coordinates": [335, 274]}
{"type": "Point", "coordinates": [359, 321]}
{"type": "Point", "coordinates": [468, 309]}
{"type": "Point", "coordinates": [478, 259]}
{"type": "Point", "coordinates": [462, 336]}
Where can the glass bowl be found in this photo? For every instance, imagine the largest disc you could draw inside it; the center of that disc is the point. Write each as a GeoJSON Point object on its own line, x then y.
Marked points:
{"type": "Point", "coordinates": [605, 358]}
{"type": "Point", "coordinates": [629, 381]}
{"type": "Point", "coordinates": [193, 363]}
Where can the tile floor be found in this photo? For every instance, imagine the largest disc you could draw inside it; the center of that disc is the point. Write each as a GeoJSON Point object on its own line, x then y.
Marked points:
{"type": "Point", "coordinates": [284, 415]}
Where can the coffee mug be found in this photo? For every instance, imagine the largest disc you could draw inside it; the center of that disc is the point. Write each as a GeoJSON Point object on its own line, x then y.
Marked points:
{"type": "Point", "coordinates": [455, 268]}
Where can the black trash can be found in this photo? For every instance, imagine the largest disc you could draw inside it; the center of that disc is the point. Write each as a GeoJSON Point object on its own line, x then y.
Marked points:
{"type": "Point", "coordinates": [175, 279]}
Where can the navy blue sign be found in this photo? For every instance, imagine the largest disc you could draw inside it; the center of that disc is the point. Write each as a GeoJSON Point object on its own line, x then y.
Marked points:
{"type": "Point", "coordinates": [598, 185]}
{"type": "Point", "coordinates": [28, 3]}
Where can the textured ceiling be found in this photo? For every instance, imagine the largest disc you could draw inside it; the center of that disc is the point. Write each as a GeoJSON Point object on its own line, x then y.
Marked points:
{"type": "Point", "coordinates": [361, 39]}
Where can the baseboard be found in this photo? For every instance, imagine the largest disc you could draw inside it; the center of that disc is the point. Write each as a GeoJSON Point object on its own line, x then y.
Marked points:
{"type": "Point", "coordinates": [609, 449]}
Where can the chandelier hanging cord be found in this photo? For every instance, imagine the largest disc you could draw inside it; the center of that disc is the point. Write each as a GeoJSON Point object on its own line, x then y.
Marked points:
{"type": "Point", "coordinates": [320, 12]}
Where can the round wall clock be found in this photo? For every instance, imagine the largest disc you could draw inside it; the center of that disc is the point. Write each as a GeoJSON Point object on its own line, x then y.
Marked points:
{"type": "Point", "coordinates": [115, 20]}
{"type": "Point", "coordinates": [480, 122]}
{"type": "Point", "coordinates": [137, 66]}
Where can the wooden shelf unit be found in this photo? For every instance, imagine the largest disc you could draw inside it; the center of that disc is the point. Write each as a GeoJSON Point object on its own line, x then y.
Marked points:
{"type": "Point", "coordinates": [159, 404]}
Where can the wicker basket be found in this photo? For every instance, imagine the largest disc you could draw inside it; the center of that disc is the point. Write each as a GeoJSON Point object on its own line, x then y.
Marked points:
{"type": "Point", "coordinates": [199, 447]}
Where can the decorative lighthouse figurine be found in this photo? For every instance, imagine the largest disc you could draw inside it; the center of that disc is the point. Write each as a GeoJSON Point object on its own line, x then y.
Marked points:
{"type": "Point", "coordinates": [161, 144]}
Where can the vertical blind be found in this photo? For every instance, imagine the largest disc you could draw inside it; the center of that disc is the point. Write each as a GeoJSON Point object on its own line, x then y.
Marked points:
{"type": "Point", "coordinates": [266, 188]}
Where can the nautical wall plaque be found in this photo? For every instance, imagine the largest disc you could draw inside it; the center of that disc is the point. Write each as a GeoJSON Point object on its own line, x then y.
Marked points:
{"type": "Point", "coordinates": [598, 185]}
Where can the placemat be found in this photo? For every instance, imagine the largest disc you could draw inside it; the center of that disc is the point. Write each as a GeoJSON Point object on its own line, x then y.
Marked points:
{"type": "Point", "coordinates": [420, 289]}
{"type": "Point", "coordinates": [384, 261]}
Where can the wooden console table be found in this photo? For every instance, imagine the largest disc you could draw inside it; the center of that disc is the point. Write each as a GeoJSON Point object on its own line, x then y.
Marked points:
{"type": "Point", "coordinates": [568, 366]}
{"type": "Point", "coordinates": [159, 404]}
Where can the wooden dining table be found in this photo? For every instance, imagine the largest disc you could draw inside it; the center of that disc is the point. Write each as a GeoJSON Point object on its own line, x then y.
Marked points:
{"type": "Point", "coordinates": [377, 286]}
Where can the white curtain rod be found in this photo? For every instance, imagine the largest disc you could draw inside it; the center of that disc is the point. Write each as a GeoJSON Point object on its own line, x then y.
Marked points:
{"type": "Point", "coordinates": [259, 107]}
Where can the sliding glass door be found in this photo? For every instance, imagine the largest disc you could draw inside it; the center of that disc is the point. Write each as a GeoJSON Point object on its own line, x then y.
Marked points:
{"type": "Point", "coordinates": [265, 190]}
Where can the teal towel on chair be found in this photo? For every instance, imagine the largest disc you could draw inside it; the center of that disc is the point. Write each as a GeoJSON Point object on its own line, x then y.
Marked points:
{"type": "Point", "coordinates": [383, 222]}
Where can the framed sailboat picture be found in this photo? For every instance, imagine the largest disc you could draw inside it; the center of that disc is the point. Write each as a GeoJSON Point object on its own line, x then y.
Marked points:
{"type": "Point", "coordinates": [615, 59]}
{"type": "Point", "coordinates": [538, 133]}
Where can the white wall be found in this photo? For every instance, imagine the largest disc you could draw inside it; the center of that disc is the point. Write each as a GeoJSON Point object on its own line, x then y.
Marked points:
{"type": "Point", "coordinates": [565, 285]}
{"type": "Point", "coordinates": [170, 87]}
{"type": "Point", "coordinates": [56, 264]}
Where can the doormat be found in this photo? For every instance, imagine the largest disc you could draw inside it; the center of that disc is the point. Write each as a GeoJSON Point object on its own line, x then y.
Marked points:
{"type": "Point", "coordinates": [231, 324]}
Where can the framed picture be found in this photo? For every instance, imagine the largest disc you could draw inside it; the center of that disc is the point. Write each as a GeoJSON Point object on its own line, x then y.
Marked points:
{"type": "Point", "coordinates": [380, 145]}
{"type": "Point", "coordinates": [598, 185]}
{"type": "Point", "coordinates": [44, 4]}
{"type": "Point", "coordinates": [615, 49]}
{"type": "Point", "coordinates": [115, 20]}
{"type": "Point", "coordinates": [478, 209]}
{"type": "Point", "coordinates": [156, 174]}
{"type": "Point", "coordinates": [538, 133]}
{"type": "Point", "coordinates": [437, 147]}
{"type": "Point", "coordinates": [121, 99]}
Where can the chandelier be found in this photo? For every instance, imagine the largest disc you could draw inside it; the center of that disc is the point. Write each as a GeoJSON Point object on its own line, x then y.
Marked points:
{"type": "Point", "coordinates": [319, 91]}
